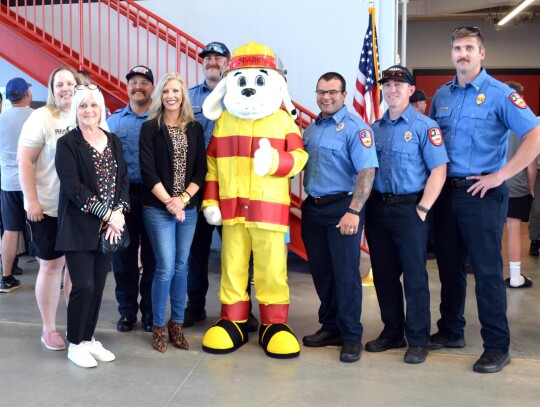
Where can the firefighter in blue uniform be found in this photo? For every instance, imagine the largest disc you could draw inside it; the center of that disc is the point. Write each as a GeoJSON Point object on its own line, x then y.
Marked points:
{"type": "Point", "coordinates": [475, 112]}
{"type": "Point", "coordinates": [412, 171]}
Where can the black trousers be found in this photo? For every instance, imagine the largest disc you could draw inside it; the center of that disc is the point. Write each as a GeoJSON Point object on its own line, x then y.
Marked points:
{"type": "Point", "coordinates": [129, 282]}
{"type": "Point", "coordinates": [88, 271]}
{"type": "Point", "coordinates": [397, 239]}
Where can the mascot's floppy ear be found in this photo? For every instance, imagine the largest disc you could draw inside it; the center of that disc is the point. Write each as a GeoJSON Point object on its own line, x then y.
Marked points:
{"type": "Point", "coordinates": [212, 108]}
{"type": "Point", "coordinates": [287, 102]}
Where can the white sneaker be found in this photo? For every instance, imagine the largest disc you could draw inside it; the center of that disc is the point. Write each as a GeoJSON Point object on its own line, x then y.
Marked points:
{"type": "Point", "coordinates": [80, 355]}
{"type": "Point", "coordinates": [101, 354]}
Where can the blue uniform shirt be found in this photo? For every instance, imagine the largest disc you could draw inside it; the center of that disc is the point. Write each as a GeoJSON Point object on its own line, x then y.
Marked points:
{"type": "Point", "coordinates": [339, 147]}
{"type": "Point", "coordinates": [408, 149]}
{"type": "Point", "coordinates": [197, 95]}
{"type": "Point", "coordinates": [475, 120]}
{"type": "Point", "coordinates": [127, 126]}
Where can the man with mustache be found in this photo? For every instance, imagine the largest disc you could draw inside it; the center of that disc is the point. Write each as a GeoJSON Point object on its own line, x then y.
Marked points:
{"type": "Point", "coordinates": [126, 124]}
{"type": "Point", "coordinates": [475, 112]}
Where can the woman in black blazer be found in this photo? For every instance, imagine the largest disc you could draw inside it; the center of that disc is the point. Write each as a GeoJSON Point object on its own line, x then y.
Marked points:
{"type": "Point", "coordinates": [94, 190]}
{"type": "Point", "coordinates": [173, 168]}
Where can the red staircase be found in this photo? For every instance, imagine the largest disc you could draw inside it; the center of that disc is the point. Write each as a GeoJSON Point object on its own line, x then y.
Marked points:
{"type": "Point", "coordinates": [38, 36]}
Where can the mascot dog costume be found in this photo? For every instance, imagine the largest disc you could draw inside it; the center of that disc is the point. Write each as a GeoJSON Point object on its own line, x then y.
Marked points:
{"type": "Point", "coordinates": [256, 147]}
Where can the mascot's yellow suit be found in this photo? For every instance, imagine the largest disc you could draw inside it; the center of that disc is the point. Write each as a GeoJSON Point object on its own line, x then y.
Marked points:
{"type": "Point", "coordinates": [255, 216]}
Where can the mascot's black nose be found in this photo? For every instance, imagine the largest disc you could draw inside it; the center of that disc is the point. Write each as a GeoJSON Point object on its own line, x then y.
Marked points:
{"type": "Point", "coordinates": [248, 92]}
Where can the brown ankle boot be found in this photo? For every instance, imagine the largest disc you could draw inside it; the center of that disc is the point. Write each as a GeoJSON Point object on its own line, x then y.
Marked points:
{"type": "Point", "coordinates": [176, 335]}
{"type": "Point", "coordinates": [159, 342]}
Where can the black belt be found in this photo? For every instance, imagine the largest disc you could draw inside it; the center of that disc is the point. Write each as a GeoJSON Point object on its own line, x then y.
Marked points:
{"type": "Point", "coordinates": [135, 188]}
{"type": "Point", "coordinates": [460, 182]}
{"type": "Point", "coordinates": [391, 199]}
{"type": "Point", "coordinates": [322, 200]}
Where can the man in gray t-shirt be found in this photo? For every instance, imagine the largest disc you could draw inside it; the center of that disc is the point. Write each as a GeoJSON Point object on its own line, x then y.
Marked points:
{"type": "Point", "coordinates": [11, 198]}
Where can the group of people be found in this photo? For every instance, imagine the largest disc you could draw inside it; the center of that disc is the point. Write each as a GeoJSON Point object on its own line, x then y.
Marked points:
{"type": "Point", "coordinates": [144, 168]}
{"type": "Point", "coordinates": [406, 168]}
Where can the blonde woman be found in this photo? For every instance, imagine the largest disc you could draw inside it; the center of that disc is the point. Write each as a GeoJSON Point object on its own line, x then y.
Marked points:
{"type": "Point", "coordinates": [40, 186]}
{"type": "Point", "coordinates": [173, 168]}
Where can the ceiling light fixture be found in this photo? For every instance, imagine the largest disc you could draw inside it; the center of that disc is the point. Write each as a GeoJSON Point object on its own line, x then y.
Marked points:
{"type": "Point", "coordinates": [518, 8]}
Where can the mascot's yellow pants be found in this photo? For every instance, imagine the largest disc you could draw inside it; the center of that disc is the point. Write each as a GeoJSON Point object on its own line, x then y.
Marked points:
{"type": "Point", "coordinates": [269, 268]}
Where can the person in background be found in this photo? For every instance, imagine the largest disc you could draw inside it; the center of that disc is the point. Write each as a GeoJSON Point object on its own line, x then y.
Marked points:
{"type": "Point", "coordinates": [412, 171]}
{"type": "Point", "coordinates": [84, 76]}
{"type": "Point", "coordinates": [338, 177]}
{"type": "Point", "coordinates": [173, 168]}
{"type": "Point", "coordinates": [418, 101]}
{"type": "Point", "coordinates": [534, 220]}
{"type": "Point", "coordinates": [216, 57]}
{"type": "Point", "coordinates": [521, 190]}
{"type": "Point", "coordinates": [475, 112]}
{"type": "Point", "coordinates": [130, 283]}
{"type": "Point", "coordinates": [11, 200]}
{"type": "Point", "coordinates": [93, 196]}
{"type": "Point", "coordinates": [41, 189]}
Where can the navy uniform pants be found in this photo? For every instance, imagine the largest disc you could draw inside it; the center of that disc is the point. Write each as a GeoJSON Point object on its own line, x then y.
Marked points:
{"type": "Point", "coordinates": [466, 224]}
{"type": "Point", "coordinates": [397, 239]}
{"type": "Point", "coordinates": [334, 261]}
{"type": "Point", "coordinates": [129, 282]}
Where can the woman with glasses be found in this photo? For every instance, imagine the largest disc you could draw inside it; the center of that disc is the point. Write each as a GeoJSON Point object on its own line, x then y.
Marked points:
{"type": "Point", "coordinates": [41, 186]}
{"type": "Point", "coordinates": [94, 194]}
{"type": "Point", "coordinates": [173, 167]}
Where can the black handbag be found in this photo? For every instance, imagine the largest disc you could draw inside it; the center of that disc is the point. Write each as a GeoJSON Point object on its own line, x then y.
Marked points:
{"type": "Point", "coordinates": [106, 247]}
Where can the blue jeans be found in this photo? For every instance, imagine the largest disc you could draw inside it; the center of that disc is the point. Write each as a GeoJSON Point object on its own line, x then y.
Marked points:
{"type": "Point", "coordinates": [171, 241]}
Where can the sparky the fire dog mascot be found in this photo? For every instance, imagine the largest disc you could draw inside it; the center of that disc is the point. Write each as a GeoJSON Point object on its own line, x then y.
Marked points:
{"type": "Point", "coordinates": [256, 147]}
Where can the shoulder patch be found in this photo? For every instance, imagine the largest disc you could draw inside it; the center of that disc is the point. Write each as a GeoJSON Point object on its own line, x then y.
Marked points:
{"type": "Point", "coordinates": [435, 136]}
{"type": "Point", "coordinates": [366, 138]}
{"type": "Point", "coordinates": [517, 100]}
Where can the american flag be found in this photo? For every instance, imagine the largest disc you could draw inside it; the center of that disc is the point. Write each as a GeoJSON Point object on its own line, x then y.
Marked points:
{"type": "Point", "coordinates": [367, 97]}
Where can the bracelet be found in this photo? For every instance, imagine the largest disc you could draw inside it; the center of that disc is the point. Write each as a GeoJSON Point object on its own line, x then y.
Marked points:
{"type": "Point", "coordinates": [422, 209]}
{"type": "Point", "coordinates": [351, 210]}
{"type": "Point", "coordinates": [185, 190]}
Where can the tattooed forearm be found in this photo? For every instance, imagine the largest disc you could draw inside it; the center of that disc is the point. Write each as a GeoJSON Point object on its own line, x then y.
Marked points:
{"type": "Point", "coordinates": [362, 188]}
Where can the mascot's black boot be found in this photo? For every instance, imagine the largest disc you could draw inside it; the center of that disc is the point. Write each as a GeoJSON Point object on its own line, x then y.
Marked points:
{"type": "Point", "coordinates": [279, 341]}
{"type": "Point", "coordinates": [225, 337]}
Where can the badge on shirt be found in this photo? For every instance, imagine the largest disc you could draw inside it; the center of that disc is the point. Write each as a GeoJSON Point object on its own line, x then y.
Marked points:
{"type": "Point", "coordinates": [480, 99]}
{"type": "Point", "coordinates": [408, 136]}
{"type": "Point", "coordinates": [340, 126]}
{"type": "Point", "coordinates": [366, 138]}
{"type": "Point", "coordinates": [435, 136]}
{"type": "Point", "coordinates": [517, 100]}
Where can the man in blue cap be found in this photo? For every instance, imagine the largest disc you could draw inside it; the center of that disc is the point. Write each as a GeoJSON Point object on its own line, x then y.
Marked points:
{"type": "Point", "coordinates": [13, 215]}
{"type": "Point", "coordinates": [126, 124]}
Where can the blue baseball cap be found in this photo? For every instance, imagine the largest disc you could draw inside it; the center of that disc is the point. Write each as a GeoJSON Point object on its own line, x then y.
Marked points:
{"type": "Point", "coordinates": [16, 88]}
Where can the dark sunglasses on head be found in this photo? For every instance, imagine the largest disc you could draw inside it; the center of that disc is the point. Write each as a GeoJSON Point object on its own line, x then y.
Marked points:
{"type": "Point", "coordinates": [216, 49]}
{"type": "Point", "coordinates": [393, 73]}
{"type": "Point", "coordinates": [92, 86]}
{"type": "Point", "coordinates": [472, 30]}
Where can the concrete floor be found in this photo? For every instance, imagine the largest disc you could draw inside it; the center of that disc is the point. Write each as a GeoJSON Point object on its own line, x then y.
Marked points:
{"type": "Point", "coordinates": [32, 375]}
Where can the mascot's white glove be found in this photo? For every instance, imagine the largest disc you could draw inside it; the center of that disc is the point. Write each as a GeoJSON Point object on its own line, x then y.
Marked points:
{"type": "Point", "coordinates": [212, 215]}
{"type": "Point", "coordinates": [262, 159]}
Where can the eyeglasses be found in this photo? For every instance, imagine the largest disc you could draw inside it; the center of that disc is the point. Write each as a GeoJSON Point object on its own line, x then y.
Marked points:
{"type": "Point", "coordinates": [92, 86]}
{"type": "Point", "coordinates": [331, 92]}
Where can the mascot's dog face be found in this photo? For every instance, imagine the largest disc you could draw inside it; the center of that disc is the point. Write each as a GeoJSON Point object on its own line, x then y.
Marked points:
{"type": "Point", "coordinates": [253, 93]}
